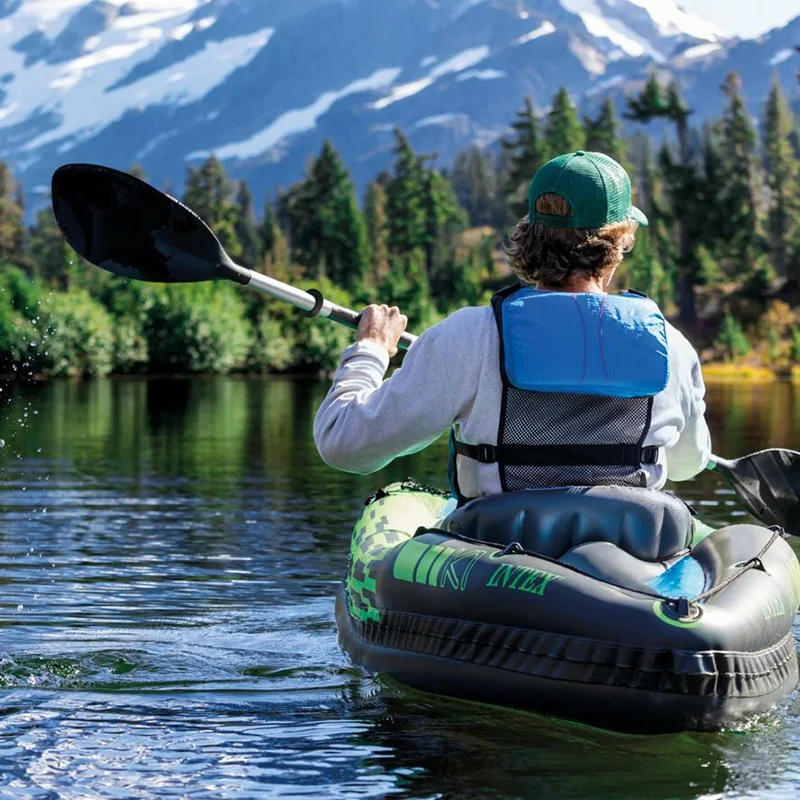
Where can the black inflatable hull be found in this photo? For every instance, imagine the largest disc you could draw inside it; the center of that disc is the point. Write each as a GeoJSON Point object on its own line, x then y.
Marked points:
{"type": "Point", "coordinates": [470, 619]}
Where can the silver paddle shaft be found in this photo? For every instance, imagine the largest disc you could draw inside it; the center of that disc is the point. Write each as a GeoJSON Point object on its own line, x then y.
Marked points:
{"type": "Point", "coordinates": [313, 303]}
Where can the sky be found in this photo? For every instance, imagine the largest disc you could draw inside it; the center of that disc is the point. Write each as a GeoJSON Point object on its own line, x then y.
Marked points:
{"type": "Point", "coordinates": [746, 18]}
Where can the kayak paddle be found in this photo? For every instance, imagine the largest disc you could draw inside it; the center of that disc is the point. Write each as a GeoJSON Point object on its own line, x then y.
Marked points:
{"type": "Point", "coordinates": [768, 484]}
{"type": "Point", "coordinates": [125, 226]}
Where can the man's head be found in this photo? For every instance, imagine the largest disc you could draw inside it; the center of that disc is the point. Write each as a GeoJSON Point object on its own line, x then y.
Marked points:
{"type": "Point", "coordinates": [580, 222]}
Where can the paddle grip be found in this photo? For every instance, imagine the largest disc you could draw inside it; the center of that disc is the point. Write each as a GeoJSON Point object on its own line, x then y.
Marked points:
{"type": "Point", "coordinates": [346, 316]}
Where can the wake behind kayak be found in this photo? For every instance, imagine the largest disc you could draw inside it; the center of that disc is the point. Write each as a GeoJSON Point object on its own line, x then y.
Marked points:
{"type": "Point", "coordinates": [608, 605]}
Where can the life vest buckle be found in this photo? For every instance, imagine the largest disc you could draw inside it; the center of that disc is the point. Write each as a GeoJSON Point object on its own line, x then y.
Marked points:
{"type": "Point", "coordinates": [650, 455]}
{"type": "Point", "coordinates": [487, 453]}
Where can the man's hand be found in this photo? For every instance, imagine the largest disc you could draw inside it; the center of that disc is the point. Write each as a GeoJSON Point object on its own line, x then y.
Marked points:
{"type": "Point", "coordinates": [382, 325]}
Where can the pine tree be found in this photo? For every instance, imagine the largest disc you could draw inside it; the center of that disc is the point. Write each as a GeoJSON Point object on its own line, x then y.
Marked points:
{"type": "Point", "coordinates": [679, 113]}
{"type": "Point", "coordinates": [245, 226]}
{"type": "Point", "coordinates": [474, 182]}
{"type": "Point", "coordinates": [326, 228]}
{"type": "Point", "coordinates": [564, 132]}
{"type": "Point", "coordinates": [604, 134]}
{"type": "Point", "coordinates": [12, 229]}
{"type": "Point", "coordinates": [444, 219]}
{"type": "Point", "coordinates": [376, 222]}
{"type": "Point", "coordinates": [404, 206]}
{"type": "Point", "coordinates": [524, 154]}
{"type": "Point", "coordinates": [49, 252]}
{"type": "Point", "coordinates": [344, 247]}
{"type": "Point", "coordinates": [209, 193]}
{"type": "Point", "coordinates": [267, 229]}
{"type": "Point", "coordinates": [783, 176]}
{"type": "Point", "coordinates": [709, 225]}
{"type": "Point", "coordinates": [277, 260]}
{"type": "Point", "coordinates": [680, 182]}
{"type": "Point", "coordinates": [651, 268]}
{"type": "Point", "coordinates": [741, 181]}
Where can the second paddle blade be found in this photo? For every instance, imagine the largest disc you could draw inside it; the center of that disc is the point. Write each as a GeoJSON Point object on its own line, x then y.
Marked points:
{"type": "Point", "coordinates": [769, 485]}
{"type": "Point", "coordinates": [127, 227]}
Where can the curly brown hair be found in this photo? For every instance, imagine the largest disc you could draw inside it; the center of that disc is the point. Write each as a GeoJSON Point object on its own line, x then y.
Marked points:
{"type": "Point", "coordinates": [556, 257]}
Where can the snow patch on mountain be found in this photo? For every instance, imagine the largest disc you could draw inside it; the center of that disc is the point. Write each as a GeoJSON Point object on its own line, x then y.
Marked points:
{"type": "Point", "coordinates": [86, 105]}
{"type": "Point", "coordinates": [481, 74]}
{"type": "Point", "coordinates": [608, 83]}
{"type": "Point", "coordinates": [619, 35]}
{"type": "Point", "coordinates": [457, 63]}
{"type": "Point", "coordinates": [781, 56]}
{"type": "Point", "coordinates": [668, 17]}
{"type": "Point", "coordinates": [544, 29]}
{"type": "Point", "coordinates": [672, 20]}
{"type": "Point", "coordinates": [439, 119]}
{"type": "Point", "coordinates": [299, 119]}
{"type": "Point", "coordinates": [78, 95]}
{"type": "Point", "coordinates": [701, 50]}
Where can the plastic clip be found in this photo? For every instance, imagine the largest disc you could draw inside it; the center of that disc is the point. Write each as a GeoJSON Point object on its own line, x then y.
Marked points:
{"type": "Point", "coordinates": [319, 301]}
{"type": "Point", "coordinates": [684, 609]}
{"type": "Point", "coordinates": [487, 453]}
{"type": "Point", "coordinates": [509, 550]}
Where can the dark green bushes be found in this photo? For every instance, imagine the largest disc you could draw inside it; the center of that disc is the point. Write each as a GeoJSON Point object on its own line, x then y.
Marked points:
{"type": "Point", "coordinates": [200, 328]}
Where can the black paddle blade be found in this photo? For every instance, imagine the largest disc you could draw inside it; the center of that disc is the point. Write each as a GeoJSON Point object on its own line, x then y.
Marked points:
{"type": "Point", "coordinates": [768, 484]}
{"type": "Point", "coordinates": [126, 226]}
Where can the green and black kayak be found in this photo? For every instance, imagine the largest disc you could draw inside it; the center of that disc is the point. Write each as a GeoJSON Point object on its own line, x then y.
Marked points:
{"type": "Point", "coordinates": [610, 605]}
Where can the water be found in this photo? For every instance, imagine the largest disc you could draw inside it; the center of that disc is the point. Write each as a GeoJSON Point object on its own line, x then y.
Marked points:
{"type": "Point", "coordinates": [170, 552]}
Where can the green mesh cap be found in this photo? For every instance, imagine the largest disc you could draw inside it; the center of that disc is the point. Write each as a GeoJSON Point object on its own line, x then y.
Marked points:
{"type": "Point", "coordinates": [597, 188]}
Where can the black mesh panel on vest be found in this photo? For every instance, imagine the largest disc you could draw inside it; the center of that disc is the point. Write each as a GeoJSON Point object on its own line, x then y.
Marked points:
{"type": "Point", "coordinates": [557, 418]}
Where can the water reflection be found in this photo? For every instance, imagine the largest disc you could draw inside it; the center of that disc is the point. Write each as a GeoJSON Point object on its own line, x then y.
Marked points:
{"type": "Point", "coordinates": [169, 550]}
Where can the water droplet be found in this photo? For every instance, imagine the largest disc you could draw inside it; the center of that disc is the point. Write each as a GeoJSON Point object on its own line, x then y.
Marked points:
{"type": "Point", "coordinates": [20, 607]}
{"type": "Point", "coordinates": [2, 442]}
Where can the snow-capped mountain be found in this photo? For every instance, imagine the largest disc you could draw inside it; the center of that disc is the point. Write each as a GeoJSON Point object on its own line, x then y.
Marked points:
{"type": "Point", "coordinates": [262, 82]}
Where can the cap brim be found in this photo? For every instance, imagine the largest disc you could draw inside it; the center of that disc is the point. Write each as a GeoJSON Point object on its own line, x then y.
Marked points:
{"type": "Point", "coordinates": [638, 216]}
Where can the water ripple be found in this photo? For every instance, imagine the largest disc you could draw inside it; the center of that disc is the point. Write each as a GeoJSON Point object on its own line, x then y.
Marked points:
{"type": "Point", "coordinates": [169, 552]}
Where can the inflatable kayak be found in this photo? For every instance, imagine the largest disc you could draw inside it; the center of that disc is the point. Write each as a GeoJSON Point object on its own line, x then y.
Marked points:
{"type": "Point", "coordinates": [609, 605]}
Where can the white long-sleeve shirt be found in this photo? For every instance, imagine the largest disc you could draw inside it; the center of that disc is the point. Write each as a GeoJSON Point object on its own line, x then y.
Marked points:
{"type": "Point", "coordinates": [451, 376]}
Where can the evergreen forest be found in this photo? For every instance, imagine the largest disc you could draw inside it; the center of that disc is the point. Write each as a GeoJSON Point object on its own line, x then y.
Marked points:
{"type": "Point", "coordinates": [721, 255]}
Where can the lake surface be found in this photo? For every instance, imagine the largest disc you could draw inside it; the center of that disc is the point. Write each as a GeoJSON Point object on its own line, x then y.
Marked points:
{"type": "Point", "coordinates": [170, 552]}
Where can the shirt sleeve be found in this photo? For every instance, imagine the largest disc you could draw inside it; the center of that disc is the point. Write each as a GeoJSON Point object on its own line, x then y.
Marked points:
{"type": "Point", "coordinates": [692, 451]}
{"type": "Point", "coordinates": [365, 422]}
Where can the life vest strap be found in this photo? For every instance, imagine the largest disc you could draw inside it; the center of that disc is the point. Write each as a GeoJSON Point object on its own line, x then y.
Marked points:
{"type": "Point", "coordinates": [557, 455]}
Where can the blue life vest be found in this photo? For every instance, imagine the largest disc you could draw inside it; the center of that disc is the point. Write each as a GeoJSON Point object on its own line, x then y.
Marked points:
{"type": "Point", "coordinates": [579, 375]}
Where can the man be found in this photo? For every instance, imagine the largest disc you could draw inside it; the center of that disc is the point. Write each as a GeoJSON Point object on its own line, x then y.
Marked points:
{"type": "Point", "coordinates": [558, 385]}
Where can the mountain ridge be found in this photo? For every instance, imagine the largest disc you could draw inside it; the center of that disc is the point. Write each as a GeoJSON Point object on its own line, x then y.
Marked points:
{"type": "Point", "coordinates": [167, 82]}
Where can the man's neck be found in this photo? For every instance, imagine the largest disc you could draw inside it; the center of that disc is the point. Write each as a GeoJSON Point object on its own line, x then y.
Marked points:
{"type": "Point", "coordinates": [587, 286]}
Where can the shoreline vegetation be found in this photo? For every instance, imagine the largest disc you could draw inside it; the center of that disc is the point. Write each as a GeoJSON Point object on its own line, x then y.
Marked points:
{"type": "Point", "coordinates": [721, 256]}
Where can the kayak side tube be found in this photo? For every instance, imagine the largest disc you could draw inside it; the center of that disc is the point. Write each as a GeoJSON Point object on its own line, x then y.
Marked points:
{"type": "Point", "coordinates": [484, 621]}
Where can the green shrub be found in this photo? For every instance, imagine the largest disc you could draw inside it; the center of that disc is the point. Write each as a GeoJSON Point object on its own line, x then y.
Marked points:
{"type": "Point", "coordinates": [773, 347]}
{"type": "Point", "coordinates": [197, 328]}
{"type": "Point", "coordinates": [76, 336]}
{"type": "Point", "coordinates": [320, 345]}
{"type": "Point", "coordinates": [274, 346]}
{"type": "Point", "coordinates": [51, 332]}
{"type": "Point", "coordinates": [732, 339]}
{"type": "Point", "coordinates": [130, 346]}
{"type": "Point", "coordinates": [22, 292]}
